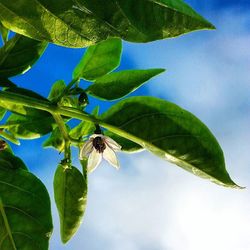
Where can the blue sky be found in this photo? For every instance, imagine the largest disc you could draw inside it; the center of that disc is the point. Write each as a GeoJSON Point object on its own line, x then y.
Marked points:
{"type": "Point", "coordinates": [150, 204]}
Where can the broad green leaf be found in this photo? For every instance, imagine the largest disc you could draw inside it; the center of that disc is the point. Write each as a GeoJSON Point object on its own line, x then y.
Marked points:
{"type": "Point", "coordinates": [12, 161]}
{"type": "Point", "coordinates": [84, 128]}
{"type": "Point", "coordinates": [83, 23]}
{"type": "Point", "coordinates": [19, 54]}
{"type": "Point", "coordinates": [118, 84]}
{"type": "Point", "coordinates": [127, 145]}
{"type": "Point", "coordinates": [170, 132]}
{"type": "Point", "coordinates": [55, 140]}
{"type": "Point", "coordinates": [25, 213]}
{"type": "Point", "coordinates": [99, 59]}
{"type": "Point", "coordinates": [30, 127]}
{"type": "Point", "coordinates": [57, 90]}
{"type": "Point", "coordinates": [4, 33]}
{"type": "Point", "coordinates": [70, 191]}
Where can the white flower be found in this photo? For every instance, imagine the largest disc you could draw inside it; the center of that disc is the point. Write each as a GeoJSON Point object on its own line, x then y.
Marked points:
{"type": "Point", "coordinates": [99, 146]}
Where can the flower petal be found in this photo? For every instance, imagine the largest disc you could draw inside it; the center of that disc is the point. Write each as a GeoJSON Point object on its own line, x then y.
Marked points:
{"type": "Point", "coordinates": [94, 160]}
{"type": "Point", "coordinates": [112, 144]}
{"type": "Point", "coordinates": [110, 156]}
{"type": "Point", "coordinates": [86, 149]}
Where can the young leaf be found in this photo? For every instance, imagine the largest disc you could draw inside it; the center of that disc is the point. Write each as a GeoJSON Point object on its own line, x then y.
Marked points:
{"type": "Point", "coordinates": [25, 213]}
{"type": "Point", "coordinates": [118, 84]}
{"type": "Point", "coordinates": [4, 33]}
{"type": "Point", "coordinates": [19, 54]}
{"type": "Point", "coordinates": [83, 23]}
{"type": "Point", "coordinates": [70, 190]}
{"type": "Point", "coordinates": [84, 128]}
{"type": "Point", "coordinates": [99, 59]}
{"type": "Point", "coordinates": [170, 132]}
{"type": "Point", "coordinates": [55, 140]}
{"type": "Point", "coordinates": [57, 90]}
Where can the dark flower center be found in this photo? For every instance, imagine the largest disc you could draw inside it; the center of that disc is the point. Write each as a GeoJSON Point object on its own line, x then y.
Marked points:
{"type": "Point", "coordinates": [99, 144]}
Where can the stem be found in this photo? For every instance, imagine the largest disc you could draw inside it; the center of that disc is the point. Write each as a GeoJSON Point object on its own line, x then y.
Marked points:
{"type": "Point", "coordinates": [64, 111]}
{"type": "Point", "coordinates": [63, 129]}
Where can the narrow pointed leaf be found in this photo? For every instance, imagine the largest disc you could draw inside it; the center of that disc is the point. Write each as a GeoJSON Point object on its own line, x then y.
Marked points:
{"type": "Point", "coordinates": [25, 213]}
{"type": "Point", "coordinates": [170, 132]}
{"type": "Point", "coordinates": [84, 23]}
{"type": "Point", "coordinates": [19, 54]}
{"type": "Point", "coordinates": [70, 190]}
{"type": "Point", "coordinates": [99, 59]}
{"type": "Point", "coordinates": [118, 84]}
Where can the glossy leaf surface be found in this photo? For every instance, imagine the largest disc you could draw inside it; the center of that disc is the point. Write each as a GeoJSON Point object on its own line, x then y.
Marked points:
{"type": "Point", "coordinates": [99, 59]}
{"type": "Point", "coordinates": [83, 23]}
{"type": "Point", "coordinates": [19, 54]}
{"type": "Point", "coordinates": [30, 127]}
{"type": "Point", "coordinates": [25, 214]}
{"type": "Point", "coordinates": [118, 84]}
{"type": "Point", "coordinates": [70, 191]}
{"type": "Point", "coordinates": [170, 132]}
{"type": "Point", "coordinates": [127, 145]}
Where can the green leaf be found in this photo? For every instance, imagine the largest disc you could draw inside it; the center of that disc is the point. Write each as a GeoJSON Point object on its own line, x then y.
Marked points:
{"type": "Point", "coordinates": [56, 140]}
{"type": "Point", "coordinates": [31, 127]}
{"type": "Point", "coordinates": [84, 23]}
{"type": "Point", "coordinates": [9, 137]}
{"type": "Point", "coordinates": [4, 33]}
{"type": "Point", "coordinates": [70, 191]}
{"type": "Point", "coordinates": [19, 109]}
{"type": "Point", "coordinates": [118, 84]}
{"type": "Point", "coordinates": [13, 161]}
{"type": "Point", "coordinates": [170, 132]}
{"type": "Point", "coordinates": [19, 54]}
{"type": "Point", "coordinates": [84, 128]}
{"type": "Point", "coordinates": [57, 90]}
{"type": "Point", "coordinates": [2, 113]}
{"type": "Point", "coordinates": [99, 59]}
{"type": "Point", "coordinates": [25, 213]}
{"type": "Point", "coordinates": [127, 145]}
{"type": "Point", "coordinates": [4, 82]}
